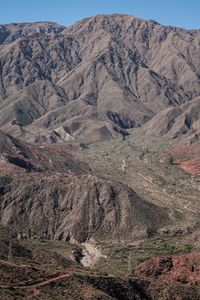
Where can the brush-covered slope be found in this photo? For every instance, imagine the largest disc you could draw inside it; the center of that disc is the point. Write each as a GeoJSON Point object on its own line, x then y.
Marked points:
{"type": "Point", "coordinates": [95, 79]}
{"type": "Point", "coordinates": [45, 270]}
{"type": "Point", "coordinates": [47, 193]}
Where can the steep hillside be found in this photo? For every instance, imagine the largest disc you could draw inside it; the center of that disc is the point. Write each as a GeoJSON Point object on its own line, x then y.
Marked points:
{"type": "Point", "coordinates": [95, 79]}
{"type": "Point", "coordinates": [178, 123]}
{"type": "Point", "coordinates": [46, 193]}
{"type": "Point", "coordinates": [45, 270]}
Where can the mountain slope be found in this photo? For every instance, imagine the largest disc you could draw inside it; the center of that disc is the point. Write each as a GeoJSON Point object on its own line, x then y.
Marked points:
{"type": "Point", "coordinates": [47, 193]}
{"type": "Point", "coordinates": [178, 122]}
{"type": "Point", "coordinates": [95, 79]}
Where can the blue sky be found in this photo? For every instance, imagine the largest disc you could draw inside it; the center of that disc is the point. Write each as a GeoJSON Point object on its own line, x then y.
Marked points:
{"type": "Point", "coordinates": [182, 13]}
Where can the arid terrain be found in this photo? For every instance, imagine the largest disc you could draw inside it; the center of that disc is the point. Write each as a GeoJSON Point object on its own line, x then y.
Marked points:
{"type": "Point", "coordinates": [99, 160]}
{"type": "Point", "coordinates": [97, 78]}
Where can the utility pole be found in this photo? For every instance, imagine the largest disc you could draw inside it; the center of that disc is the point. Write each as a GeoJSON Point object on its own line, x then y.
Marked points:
{"type": "Point", "coordinates": [10, 251]}
{"type": "Point", "coordinates": [129, 264]}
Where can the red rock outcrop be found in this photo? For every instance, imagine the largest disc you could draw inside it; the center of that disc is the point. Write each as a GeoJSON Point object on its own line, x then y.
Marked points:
{"type": "Point", "coordinates": [182, 268]}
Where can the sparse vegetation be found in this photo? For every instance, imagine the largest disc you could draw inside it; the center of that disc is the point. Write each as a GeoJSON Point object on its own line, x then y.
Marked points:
{"type": "Point", "coordinates": [114, 160]}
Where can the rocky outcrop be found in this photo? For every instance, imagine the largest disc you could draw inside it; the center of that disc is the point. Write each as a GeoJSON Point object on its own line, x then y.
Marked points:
{"type": "Point", "coordinates": [183, 268]}
{"type": "Point", "coordinates": [187, 157]}
{"type": "Point", "coordinates": [172, 277]}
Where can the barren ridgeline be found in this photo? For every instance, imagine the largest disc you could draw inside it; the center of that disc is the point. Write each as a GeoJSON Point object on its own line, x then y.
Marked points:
{"type": "Point", "coordinates": [98, 78]}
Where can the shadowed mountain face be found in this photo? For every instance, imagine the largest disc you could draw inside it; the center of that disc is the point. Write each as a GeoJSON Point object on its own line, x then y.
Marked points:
{"type": "Point", "coordinates": [98, 78]}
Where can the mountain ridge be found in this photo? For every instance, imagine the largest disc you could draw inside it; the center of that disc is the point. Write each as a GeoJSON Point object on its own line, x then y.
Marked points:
{"type": "Point", "coordinates": [47, 192]}
{"type": "Point", "coordinates": [79, 66]}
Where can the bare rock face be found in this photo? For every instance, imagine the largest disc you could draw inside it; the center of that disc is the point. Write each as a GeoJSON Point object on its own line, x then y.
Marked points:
{"type": "Point", "coordinates": [183, 268]}
{"type": "Point", "coordinates": [172, 277]}
{"type": "Point", "coordinates": [97, 78]}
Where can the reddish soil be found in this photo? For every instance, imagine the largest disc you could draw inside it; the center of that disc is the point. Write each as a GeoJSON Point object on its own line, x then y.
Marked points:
{"type": "Point", "coordinates": [183, 268]}
{"type": "Point", "coordinates": [188, 158]}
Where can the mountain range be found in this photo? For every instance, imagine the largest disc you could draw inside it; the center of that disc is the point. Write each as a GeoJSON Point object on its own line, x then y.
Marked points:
{"type": "Point", "coordinates": [98, 78]}
{"type": "Point", "coordinates": [99, 159]}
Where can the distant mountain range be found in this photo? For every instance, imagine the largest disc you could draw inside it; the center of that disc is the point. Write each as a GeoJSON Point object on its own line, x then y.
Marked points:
{"type": "Point", "coordinates": [98, 78]}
